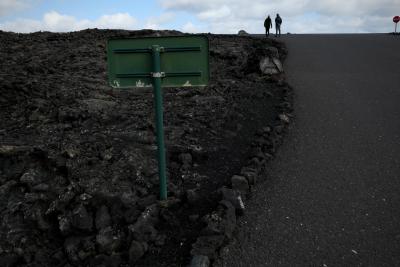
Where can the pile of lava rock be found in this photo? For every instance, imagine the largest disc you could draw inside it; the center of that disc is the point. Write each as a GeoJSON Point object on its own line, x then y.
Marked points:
{"type": "Point", "coordinates": [78, 171]}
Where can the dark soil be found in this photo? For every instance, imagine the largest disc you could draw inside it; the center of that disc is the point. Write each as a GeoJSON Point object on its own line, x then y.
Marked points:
{"type": "Point", "coordinates": [78, 170]}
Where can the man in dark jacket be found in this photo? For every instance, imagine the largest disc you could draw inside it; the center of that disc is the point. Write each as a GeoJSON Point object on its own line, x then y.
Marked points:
{"type": "Point", "coordinates": [278, 22]}
{"type": "Point", "coordinates": [267, 25]}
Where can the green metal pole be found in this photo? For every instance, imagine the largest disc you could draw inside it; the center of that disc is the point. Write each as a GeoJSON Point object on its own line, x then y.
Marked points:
{"type": "Point", "coordinates": [159, 120]}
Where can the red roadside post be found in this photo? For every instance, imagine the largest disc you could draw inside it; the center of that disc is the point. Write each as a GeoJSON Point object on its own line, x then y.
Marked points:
{"type": "Point", "coordinates": [396, 19]}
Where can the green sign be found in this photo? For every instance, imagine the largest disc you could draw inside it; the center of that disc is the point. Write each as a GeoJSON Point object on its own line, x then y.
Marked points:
{"type": "Point", "coordinates": [157, 62]}
{"type": "Point", "coordinates": [183, 59]}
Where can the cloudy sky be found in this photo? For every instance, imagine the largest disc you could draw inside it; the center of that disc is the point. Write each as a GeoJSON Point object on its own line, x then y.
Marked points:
{"type": "Point", "coordinates": [215, 16]}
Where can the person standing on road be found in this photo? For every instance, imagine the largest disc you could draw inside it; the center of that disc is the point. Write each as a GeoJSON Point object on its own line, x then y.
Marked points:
{"type": "Point", "coordinates": [267, 25]}
{"type": "Point", "coordinates": [278, 22]}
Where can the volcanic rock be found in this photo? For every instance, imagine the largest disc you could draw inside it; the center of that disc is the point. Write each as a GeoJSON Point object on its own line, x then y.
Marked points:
{"type": "Point", "coordinates": [31, 178]}
{"type": "Point", "coordinates": [240, 183]}
{"type": "Point", "coordinates": [199, 261]}
{"type": "Point", "coordinates": [103, 218]}
{"type": "Point", "coordinates": [192, 196]}
{"type": "Point", "coordinates": [81, 218]}
{"type": "Point", "coordinates": [108, 240]}
{"type": "Point", "coordinates": [136, 251]}
{"type": "Point", "coordinates": [207, 245]}
{"type": "Point", "coordinates": [234, 198]}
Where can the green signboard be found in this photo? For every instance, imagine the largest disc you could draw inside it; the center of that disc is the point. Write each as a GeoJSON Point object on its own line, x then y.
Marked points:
{"type": "Point", "coordinates": [183, 59]}
{"type": "Point", "coordinates": [157, 62]}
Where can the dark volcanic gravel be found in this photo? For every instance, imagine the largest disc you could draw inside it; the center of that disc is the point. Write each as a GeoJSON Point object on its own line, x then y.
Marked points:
{"type": "Point", "coordinates": [78, 171]}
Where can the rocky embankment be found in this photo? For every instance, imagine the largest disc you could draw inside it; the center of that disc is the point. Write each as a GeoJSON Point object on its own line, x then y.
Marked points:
{"type": "Point", "coordinates": [78, 171]}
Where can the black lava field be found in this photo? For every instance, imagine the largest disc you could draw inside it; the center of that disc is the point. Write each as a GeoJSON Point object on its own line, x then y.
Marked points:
{"type": "Point", "coordinates": [78, 167]}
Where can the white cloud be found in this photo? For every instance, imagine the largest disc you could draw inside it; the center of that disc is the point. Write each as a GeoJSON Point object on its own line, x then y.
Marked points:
{"type": "Point", "coordinates": [355, 7]}
{"type": "Point", "coordinates": [22, 25]}
{"type": "Point", "coordinates": [158, 22]}
{"type": "Point", "coordinates": [116, 21]}
{"type": "Point", "coordinates": [229, 16]}
{"type": "Point", "coordinates": [215, 14]}
{"type": "Point", "coordinates": [190, 5]}
{"type": "Point", "coordinates": [54, 21]}
{"type": "Point", "coordinates": [260, 7]}
{"type": "Point", "coordinates": [189, 27]}
{"type": "Point", "coordinates": [10, 6]}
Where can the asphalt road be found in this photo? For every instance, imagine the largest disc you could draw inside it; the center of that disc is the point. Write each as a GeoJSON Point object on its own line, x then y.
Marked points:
{"type": "Point", "coordinates": [332, 195]}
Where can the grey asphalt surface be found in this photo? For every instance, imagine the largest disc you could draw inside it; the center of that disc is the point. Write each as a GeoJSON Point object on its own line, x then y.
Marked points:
{"type": "Point", "coordinates": [331, 197]}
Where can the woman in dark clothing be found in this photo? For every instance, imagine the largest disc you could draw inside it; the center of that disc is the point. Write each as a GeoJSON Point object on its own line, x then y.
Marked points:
{"type": "Point", "coordinates": [267, 25]}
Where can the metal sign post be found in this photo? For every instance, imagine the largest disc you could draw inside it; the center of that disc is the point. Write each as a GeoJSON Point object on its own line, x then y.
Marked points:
{"type": "Point", "coordinates": [159, 120]}
{"type": "Point", "coordinates": [180, 61]}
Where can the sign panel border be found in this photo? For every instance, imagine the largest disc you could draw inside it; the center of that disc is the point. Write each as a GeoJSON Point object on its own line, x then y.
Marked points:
{"type": "Point", "coordinates": [173, 48]}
